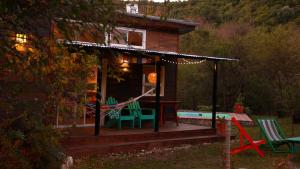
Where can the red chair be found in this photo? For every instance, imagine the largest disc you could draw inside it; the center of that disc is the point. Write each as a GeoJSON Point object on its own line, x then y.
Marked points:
{"type": "Point", "coordinates": [251, 143]}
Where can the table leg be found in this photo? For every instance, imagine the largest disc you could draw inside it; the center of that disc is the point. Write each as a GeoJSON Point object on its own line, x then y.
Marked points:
{"type": "Point", "coordinates": [161, 115]}
{"type": "Point", "coordinates": [163, 112]}
{"type": "Point", "coordinates": [176, 118]}
{"type": "Point", "coordinates": [293, 148]}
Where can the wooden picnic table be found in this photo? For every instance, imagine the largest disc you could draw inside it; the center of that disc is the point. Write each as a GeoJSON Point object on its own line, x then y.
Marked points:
{"type": "Point", "coordinates": [163, 104]}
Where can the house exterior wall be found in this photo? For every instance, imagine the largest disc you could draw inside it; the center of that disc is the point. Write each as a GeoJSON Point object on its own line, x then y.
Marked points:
{"type": "Point", "coordinates": [164, 39]}
{"type": "Point", "coordinates": [85, 33]}
{"type": "Point", "coordinates": [132, 84]}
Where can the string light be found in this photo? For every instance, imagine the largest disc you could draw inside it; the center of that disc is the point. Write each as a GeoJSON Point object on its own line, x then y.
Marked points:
{"type": "Point", "coordinates": [152, 52]}
{"type": "Point", "coordinates": [185, 62]}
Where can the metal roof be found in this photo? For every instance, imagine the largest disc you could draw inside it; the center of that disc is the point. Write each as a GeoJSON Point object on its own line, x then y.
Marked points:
{"type": "Point", "coordinates": [157, 18]}
{"type": "Point", "coordinates": [146, 52]}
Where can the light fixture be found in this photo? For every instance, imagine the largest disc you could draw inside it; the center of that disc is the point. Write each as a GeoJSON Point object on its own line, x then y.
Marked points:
{"type": "Point", "coordinates": [125, 69]}
{"type": "Point", "coordinates": [21, 40]}
{"type": "Point", "coordinates": [125, 59]}
{"type": "Point", "coordinates": [152, 77]}
{"type": "Point", "coordinates": [124, 63]}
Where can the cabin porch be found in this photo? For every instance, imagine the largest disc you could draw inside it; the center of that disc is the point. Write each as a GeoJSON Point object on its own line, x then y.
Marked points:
{"type": "Point", "coordinates": [94, 139]}
{"type": "Point", "coordinates": [80, 141]}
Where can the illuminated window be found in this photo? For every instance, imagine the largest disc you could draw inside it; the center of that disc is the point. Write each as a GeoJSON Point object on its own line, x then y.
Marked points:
{"type": "Point", "coordinates": [135, 38]}
{"type": "Point", "coordinates": [149, 80]}
{"type": "Point", "coordinates": [21, 38]}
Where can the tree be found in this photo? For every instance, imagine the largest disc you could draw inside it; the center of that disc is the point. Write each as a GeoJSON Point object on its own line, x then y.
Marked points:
{"type": "Point", "coordinates": [275, 58]}
{"type": "Point", "coordinates": [36, 72]}
{"type": "Point", "coordinates": [265, 75]}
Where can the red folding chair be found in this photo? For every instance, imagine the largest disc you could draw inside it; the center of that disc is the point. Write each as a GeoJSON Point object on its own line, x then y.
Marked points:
{"type": "Point", "coordinates": [251, 143]}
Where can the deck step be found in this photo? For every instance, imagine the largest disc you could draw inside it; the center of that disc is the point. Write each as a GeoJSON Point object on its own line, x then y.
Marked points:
{"type": "Point", "coordinates": [121, 138]}
{"type": "Point", "coordinates": [88, 149]}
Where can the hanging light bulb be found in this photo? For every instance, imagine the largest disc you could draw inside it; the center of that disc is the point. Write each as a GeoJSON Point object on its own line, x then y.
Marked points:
{"type": "Point", "coordinates": [152, 77]}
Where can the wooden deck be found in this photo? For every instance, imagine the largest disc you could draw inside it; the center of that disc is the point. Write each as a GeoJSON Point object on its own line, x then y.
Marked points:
{"type": "Point", "coordinates": [82, 142]}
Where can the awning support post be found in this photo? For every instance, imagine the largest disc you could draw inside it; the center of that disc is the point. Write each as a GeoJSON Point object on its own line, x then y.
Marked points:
{"type": "Point", "coordinates": [214, 98]}
{"type": "Point", "coordinates": [98, 97]}
{"type": "Point", "coordinates": [157, 95]}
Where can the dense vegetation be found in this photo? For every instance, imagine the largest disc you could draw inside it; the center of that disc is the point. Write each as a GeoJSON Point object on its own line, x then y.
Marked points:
{"type": "Point", "coordinates": [38, 75]}
{"type": "Point", "coordinates": [254, 12]}
{"type": "Point", "coordinates": [264, 35]}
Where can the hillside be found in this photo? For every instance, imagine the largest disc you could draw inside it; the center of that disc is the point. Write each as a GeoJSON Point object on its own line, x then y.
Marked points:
{"type": "Point", "coordinates": [263, 34]}
{"type": "Point", "coordinates": [254, 12]}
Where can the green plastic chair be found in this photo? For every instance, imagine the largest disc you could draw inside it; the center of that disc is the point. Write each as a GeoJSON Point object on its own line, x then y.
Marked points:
{"type": "Point", "coordinates": [274, 135]}
{"type": "Point", "coordinates": [142, 114]}
{"type": "Point", "coordinates": [119, 115]}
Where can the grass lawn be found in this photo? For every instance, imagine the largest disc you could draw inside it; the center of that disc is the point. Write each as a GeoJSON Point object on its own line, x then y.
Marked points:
{"type": "Point", "coordinates": [205, 156]}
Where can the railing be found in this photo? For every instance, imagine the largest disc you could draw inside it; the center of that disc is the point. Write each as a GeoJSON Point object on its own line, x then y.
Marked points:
{"type": "Point", "coordinates": [147, 8]}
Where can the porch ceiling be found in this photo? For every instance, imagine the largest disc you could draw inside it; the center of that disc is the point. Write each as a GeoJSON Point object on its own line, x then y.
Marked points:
{"type": "Point", "coordinates": [145, 52]}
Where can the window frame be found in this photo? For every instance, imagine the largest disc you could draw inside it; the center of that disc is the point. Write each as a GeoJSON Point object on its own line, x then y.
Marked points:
{"type": "Point", "coordinates": [108, 37]}
{"type": "Point", "coordinates": [162, 81]}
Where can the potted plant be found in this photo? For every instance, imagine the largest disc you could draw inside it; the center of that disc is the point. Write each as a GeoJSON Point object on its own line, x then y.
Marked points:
{"type": "Point", "coordinates": [221, 126]}
{"type": "Point", "coordinates": [239, 106]}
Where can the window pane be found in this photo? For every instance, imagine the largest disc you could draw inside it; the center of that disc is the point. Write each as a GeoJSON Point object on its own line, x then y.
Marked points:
{"type": "Point", "coordinates": [135, 38]}
{"type": "Point", "coordinates": [119, 36]}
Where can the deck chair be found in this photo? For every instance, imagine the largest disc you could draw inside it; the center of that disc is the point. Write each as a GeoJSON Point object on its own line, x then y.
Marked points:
{"type": "Point", "coordinates": [142, 114]}
{"type": "Point", "coordinates": [274, 135]}
{"type": "Point", "coordinates": [251, 143]}
{"type": "Point", "coordinates": [117, 115]}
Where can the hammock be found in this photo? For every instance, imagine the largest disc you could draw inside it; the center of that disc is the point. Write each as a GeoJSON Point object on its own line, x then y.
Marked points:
{"type": "Point", "coordinates": [114, 110]}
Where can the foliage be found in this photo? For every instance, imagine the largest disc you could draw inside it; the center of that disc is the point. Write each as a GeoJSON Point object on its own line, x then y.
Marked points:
{"type": "Point", "coordinates": [265, 74]}
{"type": "Point", "coordinates": [255, 12]}
{"type": "Point", "coordinates": [269, 57]}
{"type": "Point", "coordinates": [27, 143]}
{"type": "Point", "coordinates": [38, 79]}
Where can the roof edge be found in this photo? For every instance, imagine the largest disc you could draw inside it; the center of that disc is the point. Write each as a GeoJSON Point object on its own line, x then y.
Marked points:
{"type": "Point", "coordinates": [163, 54]}
{"type": "Point", "coordinates": [157, 18]}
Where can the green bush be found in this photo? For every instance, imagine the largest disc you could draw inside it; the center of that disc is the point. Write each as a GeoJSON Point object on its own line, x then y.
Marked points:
{"type": "Point", "coordinates": [26, 143]}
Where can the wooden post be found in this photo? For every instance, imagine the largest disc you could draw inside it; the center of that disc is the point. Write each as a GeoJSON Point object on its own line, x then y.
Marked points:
{"type": "Point", "coordinates": [214, 98]}
{"type": "Point", "coordinates": [98, 98]}
{"type": "Point", "coordinates": [157, 95]}
{"type": "Point", "coordinates": [104, 80]}
{"type": "Point", "coordinates": [103, 85]}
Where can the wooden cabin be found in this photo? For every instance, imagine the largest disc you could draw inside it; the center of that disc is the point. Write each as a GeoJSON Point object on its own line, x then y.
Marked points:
{"type": "Point", "coordinates": [146, 48]}
{"type": "Point", "coordinates": [137, 32]}
{"type": "Point", "coordinates": [148, 33]}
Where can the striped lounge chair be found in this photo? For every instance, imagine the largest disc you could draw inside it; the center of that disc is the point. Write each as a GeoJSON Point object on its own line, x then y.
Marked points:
{"type": "Point", "coordinates": [274, 135]}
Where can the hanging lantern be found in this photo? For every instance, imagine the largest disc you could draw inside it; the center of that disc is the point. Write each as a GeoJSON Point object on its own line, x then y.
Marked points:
{"type": "Point", "coordinates": [124, 63]}
{"type": "Point", "coordinates": [152, 78]}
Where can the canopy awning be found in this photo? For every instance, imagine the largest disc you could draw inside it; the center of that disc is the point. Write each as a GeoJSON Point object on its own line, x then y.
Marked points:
{"type": "Point", "coordinates": [146, 52]}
